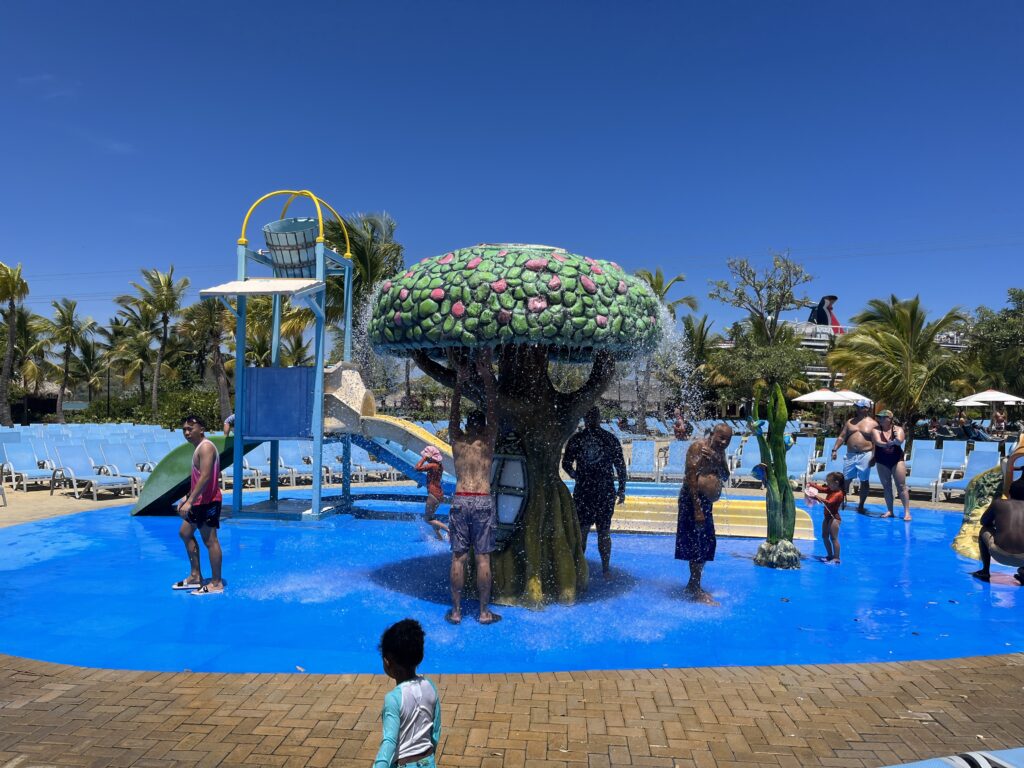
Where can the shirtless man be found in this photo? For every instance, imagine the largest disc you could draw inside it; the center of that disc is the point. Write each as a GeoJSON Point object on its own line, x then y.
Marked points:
{"type": "Point", "coordinates": [473, 520]}
{"type": "Point", "coordinates": [856, 435]}
{"type": "Point", "coordinates": [706, 470]}
{"type": "Point", "coordinates": [1002, 534]}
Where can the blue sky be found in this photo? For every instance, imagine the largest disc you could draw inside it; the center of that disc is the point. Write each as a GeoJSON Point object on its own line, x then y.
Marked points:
{"type": "Point", "coordinates": [879, 142]}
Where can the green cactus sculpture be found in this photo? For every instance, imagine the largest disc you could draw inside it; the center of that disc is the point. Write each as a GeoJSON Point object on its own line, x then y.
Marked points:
{"type": "Point", "coordinates": [778, 551]}
{"type": "Point", "coordinates": [530, 304]}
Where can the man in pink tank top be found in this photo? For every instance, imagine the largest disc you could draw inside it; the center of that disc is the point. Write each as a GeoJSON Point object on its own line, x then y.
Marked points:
{"type": "Point", "coordinates": [201, 509]}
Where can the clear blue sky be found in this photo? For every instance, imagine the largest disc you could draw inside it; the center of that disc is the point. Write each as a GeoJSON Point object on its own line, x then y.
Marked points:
{"type": "Point", "coordinates": [880, 142]}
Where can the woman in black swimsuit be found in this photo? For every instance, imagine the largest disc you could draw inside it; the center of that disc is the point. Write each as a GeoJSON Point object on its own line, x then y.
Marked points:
{"type": "Point", "coordinates": [888, 439]}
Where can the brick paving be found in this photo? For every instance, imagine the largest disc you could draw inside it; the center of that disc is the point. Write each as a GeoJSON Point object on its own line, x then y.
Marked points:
{"type": "Point", "coordinates": [841, 715]}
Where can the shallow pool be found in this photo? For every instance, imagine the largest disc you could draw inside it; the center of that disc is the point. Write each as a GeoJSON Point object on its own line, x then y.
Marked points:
{"type": "Point", "coordinates": [94, 589]}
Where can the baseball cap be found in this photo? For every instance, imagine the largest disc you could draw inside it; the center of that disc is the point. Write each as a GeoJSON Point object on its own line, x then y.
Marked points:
{"type": "Point", "coordinates": [863, 403]}
{"type": "Point", "coordinates": [886, 412]}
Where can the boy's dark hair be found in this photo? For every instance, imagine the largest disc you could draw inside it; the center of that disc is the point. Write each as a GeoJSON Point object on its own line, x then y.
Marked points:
{"type": "Point", "coordinates": [193, 419]}
{"type": "Point", "coordinates": [838, 476]}
{"type": "Point", "coordinates": [402, 644]}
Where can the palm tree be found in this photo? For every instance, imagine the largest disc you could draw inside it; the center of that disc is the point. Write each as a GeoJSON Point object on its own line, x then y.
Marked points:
{"type": "Point", "coordinates": [31, 347]}
{"type": "Point", "coordinates": [376, 256]}
{"type": "Point", "coordinates": [660, 288]}
{"type": "Point", "coordinates": [162, 294]}
{"type": "Point", "coordinates": [208, 324]}
{"type": "Point", "coordinates": [295, 350]}
{"type": "Point", "coordinates": [69, 330]}
{"type": "Point", "coordinates": [89, 365]}
{"type": "Point", "coordinates": [894, 355]}
{"type": "Point", "coordinates": [133, 337]}
{"type": "Point", "coordinates": [13, 290]}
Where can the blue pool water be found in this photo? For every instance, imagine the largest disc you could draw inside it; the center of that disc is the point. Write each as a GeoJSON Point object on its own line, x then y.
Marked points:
{"type": "Point", "coordinates": [93, 589]}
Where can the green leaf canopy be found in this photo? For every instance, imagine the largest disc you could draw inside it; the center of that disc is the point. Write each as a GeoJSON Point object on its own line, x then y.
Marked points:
{"type": "Point", "coordinates": [489, 295]}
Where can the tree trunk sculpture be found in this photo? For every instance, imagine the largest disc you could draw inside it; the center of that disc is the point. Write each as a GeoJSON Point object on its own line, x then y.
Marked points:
{"type": "Point", "coordinates": [531, 304]}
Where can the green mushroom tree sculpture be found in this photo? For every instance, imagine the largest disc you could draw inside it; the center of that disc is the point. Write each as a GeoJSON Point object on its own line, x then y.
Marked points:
{"type": "Point", "coordinates": [531, 304]}
{"type": "Point", "coordinates": [778, 551]}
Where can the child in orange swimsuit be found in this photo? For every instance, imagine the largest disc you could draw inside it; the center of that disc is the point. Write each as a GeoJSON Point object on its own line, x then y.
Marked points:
{"type": "Point", "coordinates": [430, 463]}
{"type": "Point", "coordinates": [832, 496]}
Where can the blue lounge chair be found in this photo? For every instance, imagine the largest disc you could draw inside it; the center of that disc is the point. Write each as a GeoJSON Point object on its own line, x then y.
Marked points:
{"type": "Point", "coordinates": [296, 459]}
{"type": "Point", "coordinates": [654, 426]}
{"type": "Point", "coordinates": [954, 455]}
{"type": "Point", "coordinates": [20, 463]}
{"type": "Point", "coordinates": [977, 462]}
{"type": "Point", "coordinates": [749, 459]}
{"type": "Point", "coordinates": [927, 472]}
{"type": "Point", "coordinates": [797, 463]}
{"type": "Point", "coordinates": [642, 464]}
{"type": "Point", "coordinates": [74, 468]}
{"type": "Point", "coordinates": [120, 462]}
{"type": "Point", "coordinates": [675, 463]}
{"type": "Point", "coordinates": [831, 465]}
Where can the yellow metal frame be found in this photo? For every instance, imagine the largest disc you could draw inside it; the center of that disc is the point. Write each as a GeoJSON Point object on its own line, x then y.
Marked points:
{"type": "Point", "coordinates": [292, 195]}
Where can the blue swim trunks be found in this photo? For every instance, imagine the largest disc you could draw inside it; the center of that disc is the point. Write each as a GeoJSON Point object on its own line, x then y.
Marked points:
{"type": "Point", "coordinates": [856, 464]}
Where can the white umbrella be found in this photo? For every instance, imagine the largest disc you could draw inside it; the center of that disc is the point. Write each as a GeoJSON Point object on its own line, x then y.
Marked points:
{"type": "Point", "coordinates": [849, 394]}
{"type": "Point", "coordinates": [989, 397]}
{"type": "Point", "coordinates": [824, 395]}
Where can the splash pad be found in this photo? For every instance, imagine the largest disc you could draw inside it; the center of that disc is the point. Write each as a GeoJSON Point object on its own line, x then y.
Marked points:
{"type": "Point", "coordinates": [92, 589]}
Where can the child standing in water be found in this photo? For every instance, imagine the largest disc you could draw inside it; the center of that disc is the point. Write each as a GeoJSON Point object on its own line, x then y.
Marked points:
{"type": "Point", "coordinates": [832, 496]}
{"type": "Point", "coordinates": [412, 709]}
{"type": "Point", "coordinates": [430, 463]}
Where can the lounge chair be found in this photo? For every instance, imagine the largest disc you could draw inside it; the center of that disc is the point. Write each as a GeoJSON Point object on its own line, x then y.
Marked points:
{"type": "Point", "coordinates": [74, 468]}
{"type": "Point", "coordinates": [20, 463]}
{"type": "Point", "coordinates": [749, 459]}
{"type": "Point", "coordinates": [954, 455]}
{"type": "Point", "coordinates": [927, 472]}
{"type": "Point", "coordinates": [675, 463]}
{"type": "Point", "coordinates": [293, 455]}
{"type": "Point", "coordinates": [119, 460]}
{"type": "Point", "coordinates": [642, 463]}
{"type": "Point", "coordinates": [830, 465]}
{"type": "Point", "coordinates": [977, 462]}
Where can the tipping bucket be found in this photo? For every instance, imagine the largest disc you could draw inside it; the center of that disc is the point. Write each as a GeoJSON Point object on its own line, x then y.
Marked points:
{"type": "Point", "coordinates": [292, 244]}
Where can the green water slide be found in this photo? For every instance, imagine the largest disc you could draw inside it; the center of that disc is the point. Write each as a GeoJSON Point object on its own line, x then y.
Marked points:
{"type": "Point", "coordinates": [171, 477]}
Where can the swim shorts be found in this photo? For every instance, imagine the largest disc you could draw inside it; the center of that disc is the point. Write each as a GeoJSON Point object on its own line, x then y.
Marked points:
{"type": "Point", "coordinates": [473, 524]}
{"type": "Point", "coordinates": [856, 465]}
{"type": "Point", "coordinates": [594, 506]}
{"type": "Point", "coordinates": [207, 515]}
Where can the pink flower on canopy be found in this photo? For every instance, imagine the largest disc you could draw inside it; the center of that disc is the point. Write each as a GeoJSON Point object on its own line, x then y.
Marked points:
{"type": "Point", "coordinates": [403, 294]}
{"type": "Point", "coordinates": [386, 286]}
{"type": "Point", "coordinates": [596, 269]}
{"type": "Point", "coordinates": [408, 274]}
{"type": "Point", "coordinates": [503, 253]}
{"type": "Point", "coordinates": [537, 304]}
{"type": "Point", "coordinates": [536, 264]}
{"type": "Point", "coordinates": [588, 285]}
{"type": "Point", "coordinates": [621, 287]}
{"type": "Point", "coordinates": [474, 263]}
{"type": "Point", "coordinates": [458, 309]}
{"type": "Point", "coordinates": [558, 257]}
{"type": "Point", "coordinates": [554, 283]}
{"type": "Point", "coordinates": [398, 318]}
{"type": "Point", "coordinates": [602, 321]}
{"type": "Point", "coordinates": [437, 294]}
{"type": "Point", "coordinates": [446, 259]}
{"type": "Point", "coordinates": [500, 285]}
{"type": "Point", "coordinates": [504, 316]}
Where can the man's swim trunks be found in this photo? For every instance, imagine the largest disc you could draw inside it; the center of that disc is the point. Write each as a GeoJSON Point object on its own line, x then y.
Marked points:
{"type": "Point", "coordinates": [594, 507]}
{"type": "Point", "coordinates": [205, 514]}
{"type": "Point", "coordinates": [1013, 559]}
{"type": "Point", "coordinates": [694, 541]}
{"type": "Point", "coordinates": [856, 464]}
{"type": "Point", "coordinates": [473, 524]}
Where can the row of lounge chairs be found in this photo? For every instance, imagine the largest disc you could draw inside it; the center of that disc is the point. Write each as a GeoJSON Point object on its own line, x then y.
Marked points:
{"type": "Point", "coordinates": [944, 470]}
{"type": "Point", "coordinates": [295, 459]}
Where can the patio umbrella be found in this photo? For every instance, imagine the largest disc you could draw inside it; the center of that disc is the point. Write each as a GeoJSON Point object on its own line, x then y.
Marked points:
{"type": "Point", "coordinates": [825, 395]}
{"type": "Point", "coordinates": [849, 394]}
{"type": "Point", "coordinates": [990, 397]}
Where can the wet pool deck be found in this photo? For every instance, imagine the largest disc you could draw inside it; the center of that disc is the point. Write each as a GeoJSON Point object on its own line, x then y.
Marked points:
{"type": "Point", "coordinates": [838, 715]}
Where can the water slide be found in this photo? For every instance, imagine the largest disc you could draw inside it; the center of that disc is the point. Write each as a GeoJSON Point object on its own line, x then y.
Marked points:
{"type": "Point", "coordinates": [171, 477]}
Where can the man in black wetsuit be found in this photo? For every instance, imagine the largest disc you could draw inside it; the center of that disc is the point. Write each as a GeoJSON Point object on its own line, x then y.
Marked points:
{"type": "Point", "coordinates": [590, 457]}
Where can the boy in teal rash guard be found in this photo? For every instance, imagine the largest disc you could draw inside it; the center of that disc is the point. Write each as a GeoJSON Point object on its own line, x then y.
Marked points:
{"type": "Point", "coordinates": [412, 709]}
